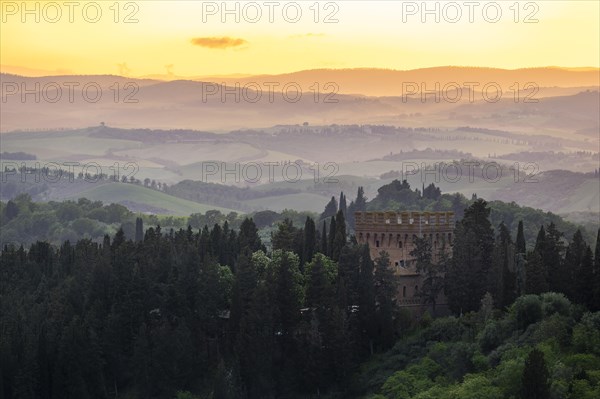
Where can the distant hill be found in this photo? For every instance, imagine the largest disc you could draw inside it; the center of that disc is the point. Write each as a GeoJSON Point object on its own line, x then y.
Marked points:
{"type": "Point", "coordinates": [388, 82]}
{"type": "Point", "coordinates": [344, 96]}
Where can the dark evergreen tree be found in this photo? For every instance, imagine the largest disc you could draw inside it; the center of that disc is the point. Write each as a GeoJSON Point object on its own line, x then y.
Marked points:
{"type": "Point", "coordinates": [11, 210]}
{"type": "Point", "coordinates": [573, 266]}
{"type": "Point", "coordinates": [330, 209]}
{"type": "Point", "coordinates": [503, 283]}
{"type": "Point", "coordinates": [584, 280]}
{"type": "Point", "coordinates": [343, 206]}
{"type": "Point", "coordinates": [385, 284]}
{"type": "Point", "coordinates": [324, 240]}
{"type": "Point", "coordinates": [535, 280]}
{"type": "Point", "coordinates": [248, 236]}
{"type": "Point", "coordinates": [349, 274]}
{"type": "Point", "coordinates": [431, 192]}
{"type": "Point", "coordinates": [244, 287]}
{"type": "Point", "coordinates": [309, 241]}
{"type": "Point", "coordinates": [553, 256]}
{"type": "Point", "coordinates": [540, 241]}
{"type": "Point", "coordinates": [431, 271]}
{"type": "Point", "coordinates": [596, 301]}
{"type": "Point", "coordinates": [285, 236]}
{"type": "Point", "coordinates": [139, 229]}
{"type": "Point", "coordinates": [327, 343]}
{"type": "Point", "coordinates": [520, 243]}
{"type": "Point", "coordinates": [535, 380]}
{"type": "Point", "coordinates": [467, 279]}
{"type": "Point", "coordinates": [366, 297]}
{"type": "Point", "coordinates": [331, 237]}
{"type": "Point", "coordinates": [361, 201]}
{"type": "Point", "coordinates": [339, 239]}
{"type": "Point", "coordinates": [359, 205]}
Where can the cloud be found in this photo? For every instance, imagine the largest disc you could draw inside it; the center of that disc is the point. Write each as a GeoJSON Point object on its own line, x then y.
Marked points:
{"type": "Point", "coordinates": [218, 42]}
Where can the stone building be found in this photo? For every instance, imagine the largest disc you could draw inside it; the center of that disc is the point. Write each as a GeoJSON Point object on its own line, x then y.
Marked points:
{"type": "Point", "coordinates": [395, 232]}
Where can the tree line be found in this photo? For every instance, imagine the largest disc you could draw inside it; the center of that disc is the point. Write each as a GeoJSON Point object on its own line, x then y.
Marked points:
{"type": "Point", "coordinates": [205, 311]}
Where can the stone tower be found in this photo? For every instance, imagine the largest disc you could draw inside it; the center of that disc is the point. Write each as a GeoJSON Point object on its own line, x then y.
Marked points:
{"type": "Point", "coordinates": [395, 233]}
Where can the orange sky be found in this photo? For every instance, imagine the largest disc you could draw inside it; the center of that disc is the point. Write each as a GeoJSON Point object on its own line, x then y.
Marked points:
{"type": "Point", "coordinates": [189, 38]}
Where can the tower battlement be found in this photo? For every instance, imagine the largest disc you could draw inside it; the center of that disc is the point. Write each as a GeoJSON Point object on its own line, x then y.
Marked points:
{"type": "Point", "coordinates": [406, 220]}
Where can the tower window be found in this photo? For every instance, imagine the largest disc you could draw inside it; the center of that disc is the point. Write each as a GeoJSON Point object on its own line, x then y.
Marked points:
{"type": "Point", "coordinates": [404, 291]}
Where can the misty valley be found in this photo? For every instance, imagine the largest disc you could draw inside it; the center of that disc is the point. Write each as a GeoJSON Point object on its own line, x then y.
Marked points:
{"type": "Point", "coordinates": [299, 200]}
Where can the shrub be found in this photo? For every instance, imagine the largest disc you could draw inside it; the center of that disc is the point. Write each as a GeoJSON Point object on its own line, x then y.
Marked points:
{"type": "Point", "coordinates": [527, 310]}
{"type": "Point", "coordinates": [445, 330]}
{"type": "Point", "coordinates": [586, 334]}
{"type": "Point", "coordinates": [491, 336]}
{"type": "Point", "coordinates": [476, 387]}
{"type": "Point", "coordinates": [553, 302]}
{"type": "Point", "coordinates": [555, 327]}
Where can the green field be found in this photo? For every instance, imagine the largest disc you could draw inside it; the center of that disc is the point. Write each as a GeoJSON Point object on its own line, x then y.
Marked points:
{"type": "Point", "coordinates": [118, 192]}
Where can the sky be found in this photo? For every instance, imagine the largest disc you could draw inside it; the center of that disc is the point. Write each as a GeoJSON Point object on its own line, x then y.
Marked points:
{"type": "Point", "coordinates": [198, 38]}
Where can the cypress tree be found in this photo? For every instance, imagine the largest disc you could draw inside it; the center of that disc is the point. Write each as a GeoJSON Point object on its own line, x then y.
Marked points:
{"type": "Point", "coordinates": [552, 256]}
{"type": "Point", "coordinates": [584, 279]}
{"type": "Point", "coordinates": [139, 230]}
{"type": "Point", "coordinates": [248, 236]}
{"type": "Point", "coordinates": [596, 301]}
{"type": "Point", "coordinates": [520, 243]}
{"type": "Point", "coordinates": [535, 377]}
{"type": "Point", "coordinates": [349, 274]}
{"type": "Point", "coordinates": [535, 280]}
{"type": "Point", "coordinates": [540, 241]}
{"type": "Point", "coordinates": [284, 237]}
{"type": "Point", "coordinates": [330, 209]}
{"type": "Point", "coordinates": [324, 239]}
{"type": "Point", "coordinates": [244, 286]}
{"type": "Point", "coordinates": [573, 263]}
{"type": "Point", "coordinates": [366, 297]}
{"type": "Point", "coordinates": [504, 275]}
{"type": "Point", "coordinates": [339, 240]}
{"type": "Point", "coordinates": [467, 278]}
{"type": "Point", "coordinates": [361, 201]}
{"type": "Point", "coordinates": [310, 240]}
{"type": "Point", "coordinates": [385, 296]}
{"type": "Point", "coordinates": [331, 238]}
{"type": "Point", "coordinates": [343, 206]}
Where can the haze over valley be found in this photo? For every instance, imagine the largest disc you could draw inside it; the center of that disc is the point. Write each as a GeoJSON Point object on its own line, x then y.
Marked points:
{"type": "Point", "coordinates": [299, 200]}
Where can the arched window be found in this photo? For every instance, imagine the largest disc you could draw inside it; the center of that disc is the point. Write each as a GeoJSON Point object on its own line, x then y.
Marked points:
{"type": "Point", "coordinates": [399, 244]}
{"type": "Point", "coordinates": [404, 292]}
{"type": "Point", "coordinates": [416, 290]}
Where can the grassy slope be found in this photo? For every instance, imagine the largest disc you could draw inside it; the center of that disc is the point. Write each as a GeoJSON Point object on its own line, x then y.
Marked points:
{"type": "Point", "coordinates": [117, 192]}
